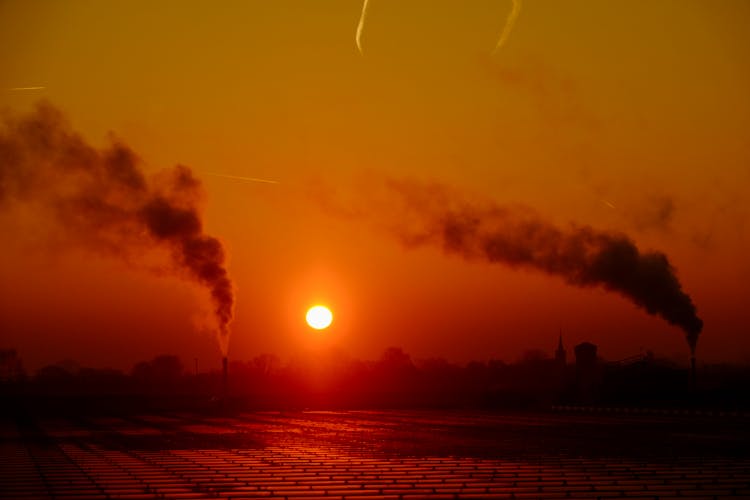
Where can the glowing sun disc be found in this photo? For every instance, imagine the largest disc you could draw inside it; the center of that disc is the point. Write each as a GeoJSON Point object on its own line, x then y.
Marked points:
{"type": "Point", "coordinates": [319, 317]}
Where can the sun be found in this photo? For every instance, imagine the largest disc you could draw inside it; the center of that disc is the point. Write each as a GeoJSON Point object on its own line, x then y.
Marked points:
{"type": "Point", "coordinates": [319, 317]}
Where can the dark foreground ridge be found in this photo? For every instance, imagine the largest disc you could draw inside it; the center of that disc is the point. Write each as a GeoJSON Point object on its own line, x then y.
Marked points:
{"type": "Point", "coordinates": [373, 455]}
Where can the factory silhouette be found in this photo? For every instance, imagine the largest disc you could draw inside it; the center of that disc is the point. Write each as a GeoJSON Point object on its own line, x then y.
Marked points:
{"type": "Point", "coordinates": [333, 380]}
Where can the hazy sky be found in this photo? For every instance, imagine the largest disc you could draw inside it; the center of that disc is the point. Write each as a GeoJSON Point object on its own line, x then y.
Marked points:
{"type": "Point", "coordinates": [627, 116]}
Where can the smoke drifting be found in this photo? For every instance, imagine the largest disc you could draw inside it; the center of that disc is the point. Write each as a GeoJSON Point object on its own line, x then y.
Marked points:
{"type": "Point", "coordinates": [421, 214]}
{"type": "Point", "coordinates": [104, 202]}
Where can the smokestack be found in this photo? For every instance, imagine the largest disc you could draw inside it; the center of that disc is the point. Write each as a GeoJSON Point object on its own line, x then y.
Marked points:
{"type": "Point", "coordinates": [225, 375]}
{"type": "Point", "coordinates": [693, 377]}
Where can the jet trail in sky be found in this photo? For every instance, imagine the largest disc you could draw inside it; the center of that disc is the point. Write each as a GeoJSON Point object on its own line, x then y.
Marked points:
{"type": "Point", "coordinates": [240, 178]}
{"type": "Point", "coordinates": [361, 25]}
{"type": "Point", "coordinates": [26, 88]}
{"type": "Point", "coordinates": [508, 25]}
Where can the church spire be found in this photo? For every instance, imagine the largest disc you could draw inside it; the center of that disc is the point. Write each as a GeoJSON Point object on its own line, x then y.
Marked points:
{"type": "Point", "coordinates": [560, 354]}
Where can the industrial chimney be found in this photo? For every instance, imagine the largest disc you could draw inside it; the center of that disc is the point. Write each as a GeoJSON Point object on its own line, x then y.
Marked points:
{"type": "Point", "coordinates": [693, 381]}
{"type": "Point", "coordinates": [225, 375]}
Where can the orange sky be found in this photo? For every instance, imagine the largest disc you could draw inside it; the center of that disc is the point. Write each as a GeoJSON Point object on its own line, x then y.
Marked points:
{"type": "Point", "coordinates": [625, 116]}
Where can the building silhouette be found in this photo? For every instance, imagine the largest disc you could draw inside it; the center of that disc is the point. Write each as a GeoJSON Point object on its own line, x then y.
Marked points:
{"type": "Point", "coordinates": [587, 372]}
{"type": "Point", "coordinates": [11, 366]}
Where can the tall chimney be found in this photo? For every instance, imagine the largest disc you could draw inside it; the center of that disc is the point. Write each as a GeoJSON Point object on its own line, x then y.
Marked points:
{"type": "Point", "coordinates": [225, 375]}
{"type": "Point", "coordinates": [693, 386]}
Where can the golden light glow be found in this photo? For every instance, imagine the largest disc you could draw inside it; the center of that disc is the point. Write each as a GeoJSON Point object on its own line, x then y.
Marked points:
{"type": "Point", "coordinates": [319, 317]}
{"type": "Point", "coordinates": [631, 125]}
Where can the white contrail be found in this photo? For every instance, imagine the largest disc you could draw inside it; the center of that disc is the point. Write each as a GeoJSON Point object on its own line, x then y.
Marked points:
{"type": "Point", "coordinates": [508, 25]}
{"type": "Point", "coordinates": [610, 205]}
{"type": "Point", "coordinates": [360, 26]}
{"type": "Point", "coordinates": [240, 178]}
{"type": "Point", "coordinates": [515, 10]}
{"type": "Point", "coordinates": [27, 88]}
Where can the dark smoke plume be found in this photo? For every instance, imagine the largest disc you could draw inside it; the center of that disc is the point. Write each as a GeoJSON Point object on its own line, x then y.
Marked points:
{"type": "Point", "coordinates": [582, 256]}
{"type": "Point", "coordinates": [102, 200]}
